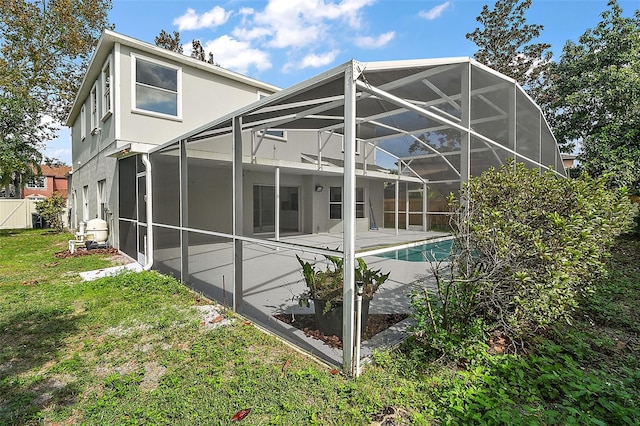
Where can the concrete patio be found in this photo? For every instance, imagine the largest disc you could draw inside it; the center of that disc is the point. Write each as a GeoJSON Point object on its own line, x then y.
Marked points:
{"type": "Point", "coordinates": [272, 279]}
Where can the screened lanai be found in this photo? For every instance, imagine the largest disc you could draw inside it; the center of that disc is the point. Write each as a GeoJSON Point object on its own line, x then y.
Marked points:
{"type": "Point", "coordinates": [354, 162]}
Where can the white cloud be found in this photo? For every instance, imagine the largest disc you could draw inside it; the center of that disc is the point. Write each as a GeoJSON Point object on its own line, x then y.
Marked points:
{"type": "Point", "coordinates": [237, 55]}
{"type": "Point", "coordinates": [299, 23]}
{"type": "Point", "coordinates": [314, 60]}
{"type": "Point", "coordinates": [434, 13]}
{"type": "Point", "coordinates": [211, 19]}
{"type": "Point", "coordinates": [375, 42]}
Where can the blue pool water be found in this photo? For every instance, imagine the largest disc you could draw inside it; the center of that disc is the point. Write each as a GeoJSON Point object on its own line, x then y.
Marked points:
{"type": "Point", "coordinates": [426, 252]}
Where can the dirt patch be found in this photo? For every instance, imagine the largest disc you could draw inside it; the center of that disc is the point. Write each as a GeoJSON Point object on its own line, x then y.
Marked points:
{"type": "Point", "coordinates": [124, 369]}
{"type": "Point", "coordinates": [44, 391]}
{"type": "Point", "coordinates": [64, 254]}
{"type": "Point", "coordinates": [152, 374]}
{"type": "Point", "coordinates": [307, 323]}
{"type": "Point", "coordinates": [211, 317]}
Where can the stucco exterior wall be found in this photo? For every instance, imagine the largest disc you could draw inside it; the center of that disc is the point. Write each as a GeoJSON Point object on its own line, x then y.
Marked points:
{"type": "Point", "coordinates": [203, 96]}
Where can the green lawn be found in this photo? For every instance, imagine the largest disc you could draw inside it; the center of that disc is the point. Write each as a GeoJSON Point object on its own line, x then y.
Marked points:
{"type": "Point", "coordinates": [132, 350]}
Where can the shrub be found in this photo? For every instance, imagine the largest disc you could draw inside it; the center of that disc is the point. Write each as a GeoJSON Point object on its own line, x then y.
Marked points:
{"type": "Point", "coordinates": [51, 210]}
{"type": "Point", "coordinates": [526, 246]}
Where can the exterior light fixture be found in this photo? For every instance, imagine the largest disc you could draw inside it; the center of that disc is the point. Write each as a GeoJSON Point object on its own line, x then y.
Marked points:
{"type": "Point", "coordinates": [319, 188]}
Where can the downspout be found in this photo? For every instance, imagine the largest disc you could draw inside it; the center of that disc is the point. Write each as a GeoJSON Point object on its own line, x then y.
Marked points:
{"type": "Point", "coordinates": [149, 254]}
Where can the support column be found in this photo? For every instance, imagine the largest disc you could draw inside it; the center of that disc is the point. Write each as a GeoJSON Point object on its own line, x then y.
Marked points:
{"type": "Point", "coordinates": [397, 200]}
{"type": "Point", "coordinates": [540, 142]}
{"type": "Point", "coordinates": [237, 213]}
{"type": "Point", "coordinates": [465, 148]}
{"type": "Point", "coordinates": [513, 128]}
{"type": "Point", "coordinates": [319, 151]}
{"type": "Point", "coordinates": [348, 217]}
{"type": "Point", "coordinates": [277, 206]}
{"type": "Point", "coordinates": [406, 205]}
{"type": "Point", "coordinates": [184, 212]}
{"type": "Point", "coordinates": [425, 207]}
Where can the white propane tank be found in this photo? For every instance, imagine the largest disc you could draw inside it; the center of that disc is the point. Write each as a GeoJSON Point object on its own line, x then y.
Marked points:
{"type": "Point", "coordinates": [99, 229]}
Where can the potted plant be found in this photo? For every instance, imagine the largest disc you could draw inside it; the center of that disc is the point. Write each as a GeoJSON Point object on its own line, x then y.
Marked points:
{"type": "Point", "coordinates": [325, 289]}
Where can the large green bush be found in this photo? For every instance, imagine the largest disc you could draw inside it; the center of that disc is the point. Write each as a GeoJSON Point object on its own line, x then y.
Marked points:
{"type": "Point", "coordinates": [51, 210]}
{"type": "Point", "coordinates": [526, 246]}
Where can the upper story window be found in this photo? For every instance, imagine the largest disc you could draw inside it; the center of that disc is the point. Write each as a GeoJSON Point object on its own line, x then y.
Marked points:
{"type": "Point", "coordinates": [357, 146]}
{"type": "Point", "coordinates": [37, 182]}
{"type": "Point", "coordinates": [105, 83]}
{"type": "Point", "coordinates": [157, 87]}
{"type": "Point", "coordinates": [83, 123]}
{"type": "Point", "coordinates": [272, 133]}
{"type": "Point", "coordinates": [94, 108]}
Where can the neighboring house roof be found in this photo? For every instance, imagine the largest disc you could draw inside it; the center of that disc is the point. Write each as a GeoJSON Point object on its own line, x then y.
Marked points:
{"type": "Point", "coordinates": [110, 38]}
{"type": "Point", "coordinates": [57, 172]}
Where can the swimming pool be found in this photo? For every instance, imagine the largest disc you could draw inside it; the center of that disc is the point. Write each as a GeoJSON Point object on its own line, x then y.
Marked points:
{"type": "Point", "coordinates": [428, 252]}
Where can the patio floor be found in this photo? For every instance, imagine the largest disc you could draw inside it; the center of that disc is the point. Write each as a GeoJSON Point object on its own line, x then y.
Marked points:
{"type": "Point", "coordinates": [272, 280]}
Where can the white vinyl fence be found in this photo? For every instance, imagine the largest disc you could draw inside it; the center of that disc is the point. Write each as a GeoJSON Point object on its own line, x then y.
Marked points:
{"type": "Point", "coordinates": [17, 214]}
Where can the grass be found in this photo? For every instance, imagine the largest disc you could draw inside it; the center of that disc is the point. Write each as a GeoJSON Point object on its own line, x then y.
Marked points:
{"type": "Point", "coordinates": [131, 350]}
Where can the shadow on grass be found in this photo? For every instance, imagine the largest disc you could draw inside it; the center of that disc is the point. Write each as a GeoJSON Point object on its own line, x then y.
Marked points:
{"type": "Point", "coordinates": [31, 342]}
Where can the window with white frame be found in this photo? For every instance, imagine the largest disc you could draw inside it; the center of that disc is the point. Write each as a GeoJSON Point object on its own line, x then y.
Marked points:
{"type": "Point", "coordinates": [157, 87]}
{"type": "Point", "coordinates": [102, 199]}
{"type": "Point", "coordinates": [357, 146]}
{"type": "Point", "coordinates": [105, 82]}
{"type": "Point", "coordinates": [85, 203]}
{"type": "Point", "coordinates": [37, 182]}
{"type": "Point", "coordinates": [94, 108]}
{"type": "Point", "coordinates": [272, 133]}
{"type": "Point", "coordinates": [335, 202]}
{"type": "Point", "coordinates": [359, 203]}
{"type": "Point", "coordinates": [83, 123]}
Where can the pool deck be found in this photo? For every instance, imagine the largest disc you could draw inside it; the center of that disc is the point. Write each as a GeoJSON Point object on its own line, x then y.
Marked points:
{"type": "Point", "coordinates": [272, 279]}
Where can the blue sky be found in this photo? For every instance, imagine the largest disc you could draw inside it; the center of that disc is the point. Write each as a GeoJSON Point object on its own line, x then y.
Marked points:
{"type": "Point", "coordinates": [283, 42]}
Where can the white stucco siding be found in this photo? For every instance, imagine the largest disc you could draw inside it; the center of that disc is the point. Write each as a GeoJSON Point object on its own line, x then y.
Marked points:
{"type": "Point", "coordinates": [203, 96]}
{"type": "Point", "coordinates": [98, 168]}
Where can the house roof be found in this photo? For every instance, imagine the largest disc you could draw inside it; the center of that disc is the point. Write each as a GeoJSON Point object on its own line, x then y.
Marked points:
{"type": "Point", "coordinates": [58, 172]}
{"type": "Point", "coordinates": [105, 45]}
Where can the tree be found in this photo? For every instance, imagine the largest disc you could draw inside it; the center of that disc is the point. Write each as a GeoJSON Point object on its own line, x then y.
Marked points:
{"type": "Point", "coordinates": [21, 128]}
{"type": "Point", "coordinates": [197, 52]}
{"type": "Point", "coordinates": [504, 44]}
{"type": "Point", "coordinates": [44, 49]}
{"type": "Point", "coordinates": [54, 162]}
{"type": "Point", "coordinates": [169, 42]}
{"type": "Point", "coordinates": [596, 98]}
{"type": "Point", "coordinates": [172, 42]}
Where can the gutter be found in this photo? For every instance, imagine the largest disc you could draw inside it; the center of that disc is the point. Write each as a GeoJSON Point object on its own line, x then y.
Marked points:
{"type": "Point", "coordinates": [149, 193]}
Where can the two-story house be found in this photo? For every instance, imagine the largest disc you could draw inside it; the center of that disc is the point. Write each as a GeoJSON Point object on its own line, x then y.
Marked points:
{"type": "Point", "coordinates": [199, 171]}
{"type": "Point", "coordinates": [136, 96]}
{"type": "Point", "coordinates": [133, 97]}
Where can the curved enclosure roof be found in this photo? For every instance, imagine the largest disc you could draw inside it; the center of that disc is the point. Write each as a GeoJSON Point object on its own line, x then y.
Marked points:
{"type": "Point", "coordinates": [438, 121]}
{"type": "Point", "coordinates": [386, 139]}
